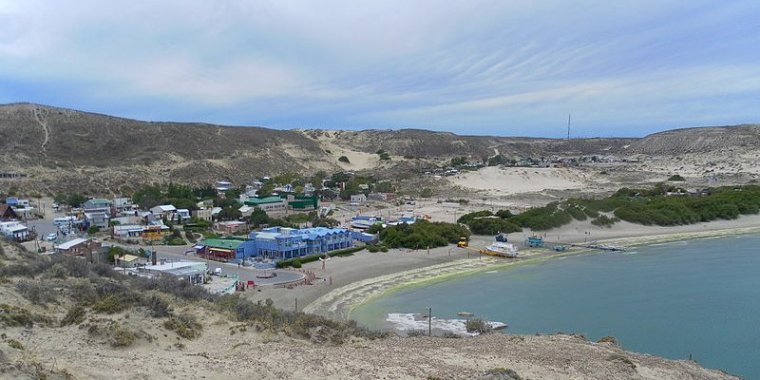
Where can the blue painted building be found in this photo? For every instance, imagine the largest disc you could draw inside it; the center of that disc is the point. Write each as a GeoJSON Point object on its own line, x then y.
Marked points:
{"type": "Point", "coordinates": [280, 243]}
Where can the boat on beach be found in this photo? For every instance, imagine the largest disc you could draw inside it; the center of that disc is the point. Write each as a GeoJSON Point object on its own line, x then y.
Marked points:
{"type": "Point", "coordinates": [500, 249]}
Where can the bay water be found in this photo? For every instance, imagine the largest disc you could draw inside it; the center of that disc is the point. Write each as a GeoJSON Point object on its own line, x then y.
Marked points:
{"type": "Point", "coordinates": [697, 298]}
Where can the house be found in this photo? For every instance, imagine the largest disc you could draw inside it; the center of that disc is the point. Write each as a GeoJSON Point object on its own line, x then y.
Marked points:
{"type": "Point", "coordinates": [7, 213]}
{"type": "Point", "coordinates": [98, 219]}
{"type": "Point", "coordinates": [358, 199]}
{"type": "Point", "coordinates": [223, 185]}
{"type": "Point", "coordinates": [273, 206]}
{"type": "Point", "coordinates": [246, 210]}
{"type": "Point", "coordinates": [203, 214]}
{"type": "Point", "coordinates": [231, 249]}
{"type": "Point", "coordinates": [125, 220]}
{"type": "Point", "coordinates": [183, 214]}
{"type": "Point", "coordinates": [230, 227]}
{"type": "Point", "coordinates": [97, 204]}
{"type": "Point", "coordinates": [17, 202]}
{"type": "Point", "coordinates": [128, 231]}
{"type": "Point", "coordinates": [15, 230]}
{"type": "Point", "coordinates": [303, 203]}
{"type": "Point", "coordinates": [25, 212]}
{"type": "Point", "coordinates": [364, 222]}
{"type": "Point", "coordinates": [155, 231]}
{"type": "Point", "coordinates": [193, 272]}
{"type": "Point", "coordinates": [249, 192]}
{"type": "Point", "coordinates": [123, 204]}
{"type": "Point", "coordinates": [77, 247]}
{"type": "Point", "coordinates": [162, 211]}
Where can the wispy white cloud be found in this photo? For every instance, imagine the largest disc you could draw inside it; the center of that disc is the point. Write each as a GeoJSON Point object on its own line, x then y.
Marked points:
{"type": "Point", "coordinates": [507, 67]}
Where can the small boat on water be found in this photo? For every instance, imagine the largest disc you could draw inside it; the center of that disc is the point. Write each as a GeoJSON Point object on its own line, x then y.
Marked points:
{"type": "Point", "coordinates": [465, 314]}
{"type": "Point", "coordinates": [500, 249]}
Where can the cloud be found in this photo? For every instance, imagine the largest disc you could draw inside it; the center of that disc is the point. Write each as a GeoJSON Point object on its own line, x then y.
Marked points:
{"type": "Point", "coordinates": [465, 66]}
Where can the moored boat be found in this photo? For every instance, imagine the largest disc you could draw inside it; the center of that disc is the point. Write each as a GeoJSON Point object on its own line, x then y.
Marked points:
{"type": "Point", "coordinates": [500, 249]}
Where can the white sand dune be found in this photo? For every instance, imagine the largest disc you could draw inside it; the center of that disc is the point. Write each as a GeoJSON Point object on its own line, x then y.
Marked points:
{"type": "Point", "coordinates": [497, 180]}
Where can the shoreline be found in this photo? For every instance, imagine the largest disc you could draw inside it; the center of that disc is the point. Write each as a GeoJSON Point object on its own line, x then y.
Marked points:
{"type": "Point", "coordinates": [339, 303]}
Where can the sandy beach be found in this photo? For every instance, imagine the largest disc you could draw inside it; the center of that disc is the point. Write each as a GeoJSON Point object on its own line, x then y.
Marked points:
{"type": "Point", "coordinates": [365, 275]}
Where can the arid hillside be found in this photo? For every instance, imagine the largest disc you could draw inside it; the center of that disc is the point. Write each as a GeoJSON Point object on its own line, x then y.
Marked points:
{"type": "Point", "coordinates": [699, 140]}
{"type": "Point", "coordinates": [62, 150]}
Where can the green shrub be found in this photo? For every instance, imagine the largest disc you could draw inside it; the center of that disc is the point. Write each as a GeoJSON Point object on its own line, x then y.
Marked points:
{"type": "Point", "coordinates": [112, 304]}
{"type": "Point", "coordinates": [604, 221]}
{"type": "Point", "coordinates": [185, 326]}
{"type": "Point", "coordinates": [93, 230]}
{"type": "Point", "coordinates": [296, 263]}
{"type": "Point", "coordinates": [422, 235]}
{"type": "Point", "coordinates": [467, 218]}
{"type": "Point", "coordinates": [676, 177]}
{"type": "Point", "coordinates": [608, 339]}
{"type": "Point", "coordinates": [15, 316]}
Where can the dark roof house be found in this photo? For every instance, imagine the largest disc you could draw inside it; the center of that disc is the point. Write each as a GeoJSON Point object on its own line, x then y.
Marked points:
{"type": "Point", "coordinates": [6, 212]}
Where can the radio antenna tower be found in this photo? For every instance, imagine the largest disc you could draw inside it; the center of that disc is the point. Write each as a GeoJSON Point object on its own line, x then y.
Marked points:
{"type": "Point", "coordinates": [568, 127]}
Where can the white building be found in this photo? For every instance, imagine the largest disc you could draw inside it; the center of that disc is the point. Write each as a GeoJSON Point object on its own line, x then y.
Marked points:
{"type": "Point", "coordinates": [14, 230]}
{"type": "Point", "coordinates": [223, 185]}
{"type": "Point", "coordinates": [191, 271]}
{"type": "Point", "coordinates": [358, 199]}
{"type": "Point", "coordinates": [97, 219]}
{"type": "Point", "coordinates": [161, 211]}
{"type": "Point", "coordinates": [183, 213]}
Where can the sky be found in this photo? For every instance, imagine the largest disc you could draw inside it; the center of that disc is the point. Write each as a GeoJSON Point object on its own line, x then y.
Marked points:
{"type": "Point", "coordinates": [504, 67]}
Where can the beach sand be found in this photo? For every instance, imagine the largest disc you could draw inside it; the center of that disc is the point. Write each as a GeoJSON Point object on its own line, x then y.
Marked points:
{"type": "Point", "coordinates": [365, 275]}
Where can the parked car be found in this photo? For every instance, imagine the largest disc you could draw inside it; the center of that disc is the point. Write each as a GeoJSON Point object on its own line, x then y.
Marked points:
{"type": "Point", "coordinates": [51, 236]}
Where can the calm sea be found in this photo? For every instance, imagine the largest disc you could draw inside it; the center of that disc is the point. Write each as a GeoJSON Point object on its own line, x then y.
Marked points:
{"type": "Point", "coordinates": [699, 297]}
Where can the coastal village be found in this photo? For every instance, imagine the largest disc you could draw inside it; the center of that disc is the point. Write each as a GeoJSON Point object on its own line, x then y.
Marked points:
{"type": "Point", "coordinates": [225, 225]}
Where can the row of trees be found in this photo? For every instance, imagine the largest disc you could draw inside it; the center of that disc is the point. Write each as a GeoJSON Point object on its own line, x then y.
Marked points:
{"type": "Point", "coordinates": [656, 206]}
{"type": "Point", "coordinates": [422, 234]}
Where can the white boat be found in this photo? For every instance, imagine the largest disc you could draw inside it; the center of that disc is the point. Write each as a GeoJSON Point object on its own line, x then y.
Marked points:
{"type": "Point", "coordinates": [500, 249]}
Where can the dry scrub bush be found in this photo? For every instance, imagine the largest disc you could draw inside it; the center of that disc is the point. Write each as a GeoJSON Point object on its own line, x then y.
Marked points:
{"type": "Point", "coordinates": [185, 326]}
{"type": "Point", "coordinates": [35, 292]}
{"type": "Point", "coordinates": [122, 337]}
{"type": "Point", "coordinates": [74, 316]}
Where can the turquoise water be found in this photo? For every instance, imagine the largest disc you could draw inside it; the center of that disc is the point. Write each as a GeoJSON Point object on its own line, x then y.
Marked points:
{"type": "Point", "coordinates": [698, 297]}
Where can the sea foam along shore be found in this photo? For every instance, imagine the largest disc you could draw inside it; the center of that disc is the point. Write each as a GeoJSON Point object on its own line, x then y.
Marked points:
{"type": "Point", "coordinates": [339, 303]}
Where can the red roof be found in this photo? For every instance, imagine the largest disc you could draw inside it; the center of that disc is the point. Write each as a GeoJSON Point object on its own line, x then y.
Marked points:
{"type": "Point", "coordinates": [6, 212]}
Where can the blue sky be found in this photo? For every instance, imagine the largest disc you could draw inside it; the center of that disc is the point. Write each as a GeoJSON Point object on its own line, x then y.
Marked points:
{"type": "Point", "coordinates": [510, 68]}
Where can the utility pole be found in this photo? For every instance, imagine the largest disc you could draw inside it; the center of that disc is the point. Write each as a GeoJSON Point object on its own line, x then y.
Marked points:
{"type": "Point", "coordinates": [568, 127]}
{"type": "Point", "coordinates": [430, 321]}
